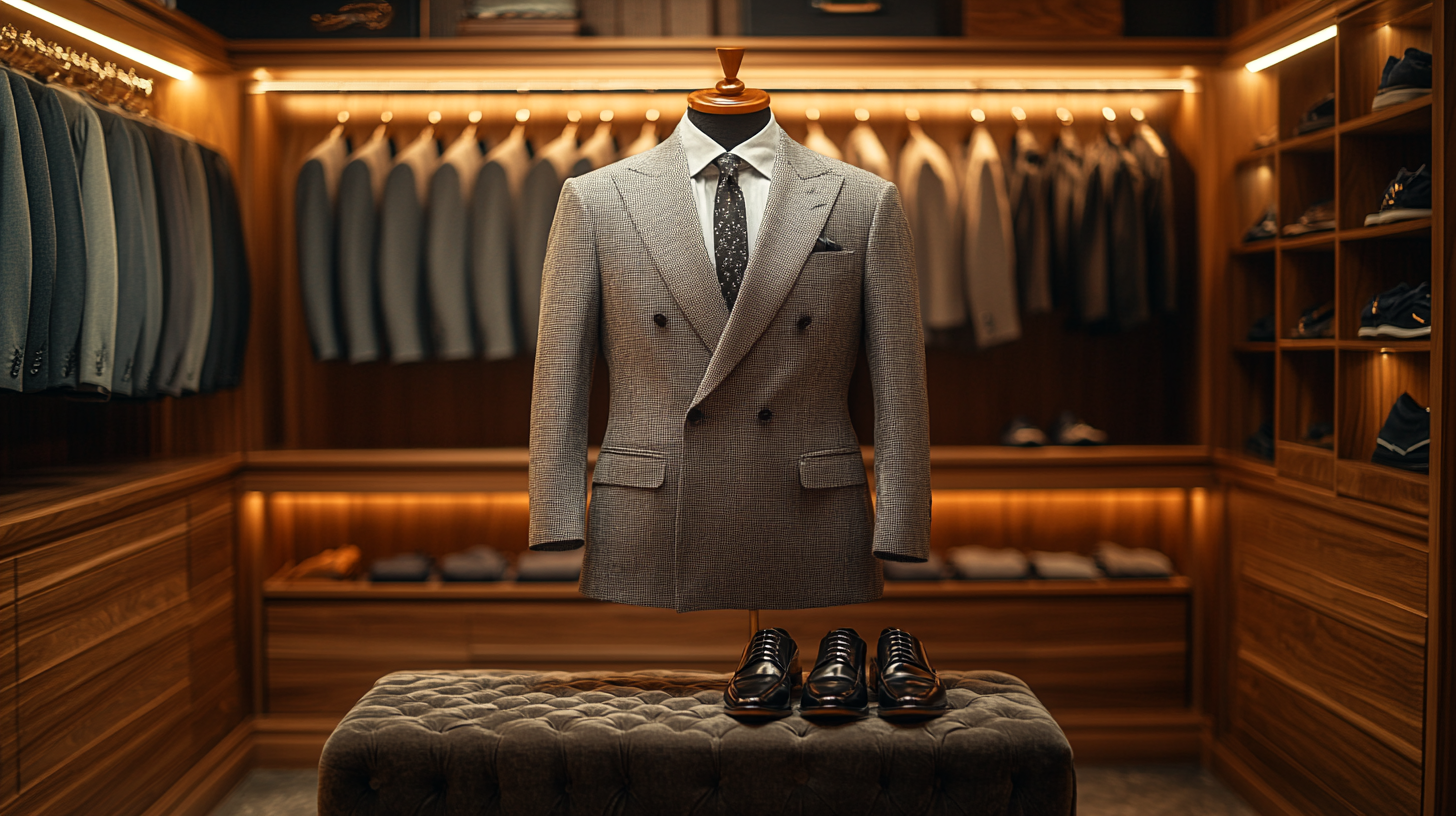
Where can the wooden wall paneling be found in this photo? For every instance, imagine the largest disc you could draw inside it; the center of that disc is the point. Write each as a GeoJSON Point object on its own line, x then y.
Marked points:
{"type": "Point", "coordinates": [1042, 19]}
{"type": "Point", "coordinates": [1306, 397]}
{"type": "Point", "coordinates": [1306, 176]}
{"type": "Point", "coordinates": [9, 764]}
{"type": "Point", "coordinates": [1307, 281]}
{"type": "Point", "coordinates": [1303, 79]}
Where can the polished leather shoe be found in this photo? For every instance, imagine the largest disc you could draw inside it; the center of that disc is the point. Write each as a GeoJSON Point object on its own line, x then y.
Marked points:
{"type": "Point", "coordinates": [836, 688]}
{"type": "Point", "coordinates": [767, 677]}
{"type": "Point", "coordinates": [907, 687]}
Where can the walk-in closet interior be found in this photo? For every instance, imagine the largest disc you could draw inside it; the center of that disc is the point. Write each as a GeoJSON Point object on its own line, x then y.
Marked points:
{"type": "Point", "coordinates": [1181, 281]}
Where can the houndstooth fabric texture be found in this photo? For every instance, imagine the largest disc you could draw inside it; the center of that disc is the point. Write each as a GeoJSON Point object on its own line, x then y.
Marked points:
{"type": "Point", "coordinates": [452, 743]}
{"type": "Point", "coordinates": [730, 476]}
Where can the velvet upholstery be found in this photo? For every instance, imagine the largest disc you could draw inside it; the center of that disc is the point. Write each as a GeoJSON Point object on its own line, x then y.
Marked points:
{"type": "Point", "coordinates": [451, 743]}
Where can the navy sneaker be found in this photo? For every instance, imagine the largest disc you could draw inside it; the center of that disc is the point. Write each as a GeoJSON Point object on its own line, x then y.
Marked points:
{"type": "Point", "coordinates": [1261, 442]}
{"type": "Point", "coordinates": [1408, 196]}
{"type": "Point", "coordinates": [1370, 312]}
{"type": "Point", "coordinates": [1317, 321]}
{"type": "Point", "coordinates": [1318, 117]}
{"type": "Point", "coordinates": [1266, 227]}
{"type": "Point", "coordinates": [1320, 434]}
{"type": "Point", "coordinates": [1404, 318]}
{"type": "Point", "coordinates": [1404, 79]}
{"type": "Point", "coordinates": [1405, 438]}
{"type": "Point", "coordinates": [1319, 217]}
{"type": "Point", "coordinates": [1021, 433]}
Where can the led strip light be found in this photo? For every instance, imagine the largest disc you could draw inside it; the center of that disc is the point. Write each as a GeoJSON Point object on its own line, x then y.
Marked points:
{"type": "Point", "coordinates": [115, 46]}
{"type": "Point", "coordinates": [1276, 57]}
{"type": "Point", "coordinates": [477, 86]}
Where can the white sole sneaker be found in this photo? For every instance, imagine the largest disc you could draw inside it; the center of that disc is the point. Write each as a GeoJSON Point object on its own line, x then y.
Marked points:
{"type": "Point", "coordinates": [1398, 332]}
{"type": "Point", "coordinates": [1392, 216]}
{"type": "Point", "coordinates": [1395, 96]}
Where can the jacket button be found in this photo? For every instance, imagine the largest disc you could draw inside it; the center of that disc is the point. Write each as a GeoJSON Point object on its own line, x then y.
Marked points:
{"type": "Point", "coordinates": [804, 321]}
{"type": "Point", "coordinates": [695, 415]}
{"type": "Point", "coordinates": [660, 319]}
{"type": "Point", "coordinates": [765, 415]}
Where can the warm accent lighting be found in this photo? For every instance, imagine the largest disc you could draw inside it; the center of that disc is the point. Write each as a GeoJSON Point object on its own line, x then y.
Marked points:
{"type": "Point", "coordinates": [120, 48]}
{"type": "Point", "coordinates": [1276, 57]}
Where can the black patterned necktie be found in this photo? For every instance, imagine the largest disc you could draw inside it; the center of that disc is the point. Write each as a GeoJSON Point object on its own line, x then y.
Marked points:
{"type": "Point", "coordinates": [730, 229]}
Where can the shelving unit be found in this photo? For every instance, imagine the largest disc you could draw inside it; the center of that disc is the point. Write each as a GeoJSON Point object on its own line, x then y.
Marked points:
{"type": "Point", "coordinates": [1345, 379]}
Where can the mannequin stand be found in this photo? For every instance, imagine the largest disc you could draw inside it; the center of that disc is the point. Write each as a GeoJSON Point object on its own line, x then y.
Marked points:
{"type": "Point", "coordinates": [752, 622]}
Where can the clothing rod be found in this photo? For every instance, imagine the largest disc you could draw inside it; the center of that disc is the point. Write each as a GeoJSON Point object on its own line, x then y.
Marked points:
{"type": "Point", "coordinates": [310, 87]}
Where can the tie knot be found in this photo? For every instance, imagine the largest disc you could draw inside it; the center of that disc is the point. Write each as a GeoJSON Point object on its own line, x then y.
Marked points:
{"type": "Point", "coordinates": [727, 165]}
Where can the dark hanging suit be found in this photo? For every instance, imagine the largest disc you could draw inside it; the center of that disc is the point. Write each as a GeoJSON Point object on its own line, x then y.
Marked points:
{"type": "Point", "coordinates": [42, 218]}
{"type": "Point", "coordinates": [178, 259]}
{"type": "Point", "coordinates": [232, 289]}
{"type": "Point", "coordinates": [149, 338]}
{"type": "Point", "coordinates": [131, 271]}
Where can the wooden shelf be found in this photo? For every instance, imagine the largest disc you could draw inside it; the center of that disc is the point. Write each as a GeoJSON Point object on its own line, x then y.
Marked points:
{"type": "Point", "coordinates": [1408, 117]}
{"type": "Point", "coordinates": [1254, 247]}
{"type": "Point", "coordinates": [1414, 228]}
{"type": "Point", "coordinates": [1258, 154]}
{"type": "Point", "coordinates": [1313, 242]}
{"type": "Point", "coordinates": [279, 589]}
{"type": "Point", "coordinates": [1321, 344]}
{"type": "Point", "coordinates": [1387, 346]}
{"type": "Point", "coordinates": [1320, 141]}
{"type": "Point", "coordinates": [1390, 487]}
{"type": "Point", "coordinates": [48, 504]}
{"type": "Point", "coordinates": [1254, 347]}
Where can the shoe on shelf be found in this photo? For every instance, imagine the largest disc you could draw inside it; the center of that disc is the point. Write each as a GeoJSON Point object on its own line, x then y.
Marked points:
{"type": "Point", "coordinates": [1266, 137]}
{"type": "Point", "coordinates": [1021, 433]}
{"type": "Point", "coordinates": [835, 688]}
{"type": "Point", "coordinates": [1408, 196]}
{"type": "Point", "coordinates": [474, 564]}
{"type": "Point", "coordinates": [1403, 79]}
{"type": "Point", "coordinates": [334, 565]}
{"type": "Point", "coordinates": [767, 677]}
{"type": "Point", "coordinates": [1320, 435]}
{"type": "Point", "coordinates": [1262, 331]}
{"type": "Point", "coordinates": [1071, 430]}
{"type": "Point", "coordinates": [1318, 218]}
{"type": "Point", "coordinates": [408, 567]}
{"type": "Point", "coordinates": [1400, 313]}
{"type": "Point", "coordinates": [932, 568]}
{"type": "Point", "coordinates": [1320, 116]}
{"type": "Point", "coordinates": [1405, 438]}
{"type": "Point", "coordinates": [1316, 321]}
{"type": "Point", "coordinates": [1260, 443]}
{"type": "Point", "coordinates": [1265, 228]}
{"type": "Point", "coordinates": [906, 686]}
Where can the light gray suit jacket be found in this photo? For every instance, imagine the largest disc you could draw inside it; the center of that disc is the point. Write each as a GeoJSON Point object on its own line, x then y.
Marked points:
{"type": "Point", "coordinates": [730, 475]}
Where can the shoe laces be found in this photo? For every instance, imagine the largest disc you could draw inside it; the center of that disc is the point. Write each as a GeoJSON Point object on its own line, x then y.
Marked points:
{"type": "Point", "coordinates": [902, 647]}
{"type": "Point", "coordinates": [838, 647]}
{"type": "Point", "coordinates": [765, 645]}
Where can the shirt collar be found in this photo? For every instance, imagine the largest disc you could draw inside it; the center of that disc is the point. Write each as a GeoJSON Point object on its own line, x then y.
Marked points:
{"type": "Point", "coordinates": [759, 151]}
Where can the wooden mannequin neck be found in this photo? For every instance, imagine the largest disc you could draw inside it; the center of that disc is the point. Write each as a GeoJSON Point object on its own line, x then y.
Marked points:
{"type": "Point", "coordinates": [729, 129]}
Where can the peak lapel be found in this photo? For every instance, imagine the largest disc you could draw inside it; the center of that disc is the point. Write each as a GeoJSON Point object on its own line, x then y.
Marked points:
{"type": "Point", "coordinates": [799, 200]}
{"type": "Point", "coordinates": [659, 200]}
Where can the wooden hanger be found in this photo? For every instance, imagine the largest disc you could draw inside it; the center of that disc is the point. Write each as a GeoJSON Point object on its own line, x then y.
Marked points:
{"type": "Point", "coordinates": [730, 95]}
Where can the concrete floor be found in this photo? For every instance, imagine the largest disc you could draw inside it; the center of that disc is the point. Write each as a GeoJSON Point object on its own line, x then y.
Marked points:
{"type": "Point", "coordinates": [1103, 790]}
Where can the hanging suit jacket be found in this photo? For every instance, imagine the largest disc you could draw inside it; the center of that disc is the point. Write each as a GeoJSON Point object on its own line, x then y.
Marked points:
{"type": "Point", "coordinates": [361, 186]}
{"type": "Point", "coordinates": [645, 141]}
{"type": "Point", "coordinates": [68, 295]}
{"type": "Point", "coordinates": [730, 475]}
{"type": "Point", "coordinates": [1065, 201]}
{"type": "Point", "coordinates": [232, 287]}
{"type": "Point", "coordinates": [15, 256]}
{"type": "Point", "coordinates": [559, 160]}
{"type": "Point", "coordinates": [98, 315]}
{"type": "Point", "coordinates": [597, 151]}
{"type": "Point", "coordinates": [1114, 265]}
{"type": "Point", "coordinates": [131, 273]}
{"type": "Point", "coordinates": [990, 245]}
{"type": "Point", "coordinates": [42, 226]}
{"type": "Point", "coordinates": [496, 226]}
{"type": "Point", "coordinates": [447, 246]}
{"type": "Point", "coordinates": [401, 248]}
{"type": "Point", "coordinates": [932, 206]}
{"type": "Point", "coordinates": [150, 336]}
{"type": "Point", "coordinates": [173, 209]}
{"type": "Point", "coordinates": [199, 222]}
{"type": "Point", "coordinates": [862, 148]}
{"type": "Point", "coordinates": [819, 142]}
{"type": "Point", "coordinates": [315, 209]}
{"type": "Point", "coordinates": [1155, 162]}
{"type": "Point", "coordinates": [1030, 215]}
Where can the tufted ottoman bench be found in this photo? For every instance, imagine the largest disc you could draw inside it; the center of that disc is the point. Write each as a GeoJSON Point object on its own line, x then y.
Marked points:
{"type": "Point", "coordinates": [452, 743]}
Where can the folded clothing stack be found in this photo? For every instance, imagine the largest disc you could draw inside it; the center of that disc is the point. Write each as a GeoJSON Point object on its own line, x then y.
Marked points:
{"type": "Point", "coordinates": [932, 569]}
{"type": "Point", "coordinates": [331, 564]}
{"type": "Point", "coordinates": [1064, 565]}
{"type": "Point", "coordinates": [474, 564]}
{"type": "Point", "coordinates": [1132, 562]}
{"type": "Point", "coordinates": [402, 568]}
{"type": "Point", "coordinates": [549, 566]}
{"type": "Point", "coordinates": [988, 563]}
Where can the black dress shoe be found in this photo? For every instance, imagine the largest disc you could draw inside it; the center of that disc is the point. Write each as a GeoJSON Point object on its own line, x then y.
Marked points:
{"type": "Point", "coordinates": [836, 687]}
{"type": "Point", "coordinates": [907, 687]}
{"type": "Point", "coordinates": [767, 677]}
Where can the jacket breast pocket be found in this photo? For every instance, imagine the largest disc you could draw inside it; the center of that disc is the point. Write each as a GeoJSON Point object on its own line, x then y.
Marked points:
{"type": "Point", "coordinates": [832, 263]}
{"type": "Point", "coordinates": [630, 468]}
{"type": "Point", "coordinates": [839, 467]}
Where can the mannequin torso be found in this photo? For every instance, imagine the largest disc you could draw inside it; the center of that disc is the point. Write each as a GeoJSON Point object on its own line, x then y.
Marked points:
{"type": "Point", "coordinates": [730, 129]}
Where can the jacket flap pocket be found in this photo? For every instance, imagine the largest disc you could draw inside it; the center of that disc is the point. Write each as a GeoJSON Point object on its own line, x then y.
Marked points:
{"type": "Point", "coordinates": [629, 468]}
{"type": "Point", "coordinates": [833, 468]}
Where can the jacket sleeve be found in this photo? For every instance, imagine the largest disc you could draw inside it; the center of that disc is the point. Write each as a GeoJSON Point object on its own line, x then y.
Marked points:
{"type": "Point", "coordinates": [895, 349]}
{"type": "Point", "coordinates": [566, 349]}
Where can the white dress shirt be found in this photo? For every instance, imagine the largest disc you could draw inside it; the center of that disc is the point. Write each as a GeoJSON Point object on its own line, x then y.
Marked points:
{"type": "Point", "coordinates": [755, 174]}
